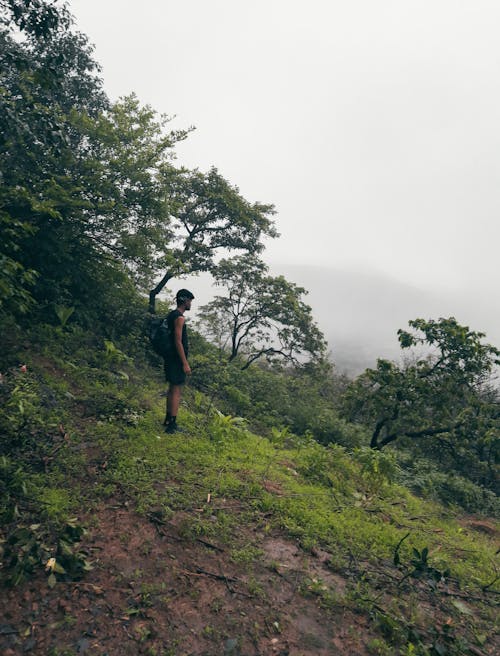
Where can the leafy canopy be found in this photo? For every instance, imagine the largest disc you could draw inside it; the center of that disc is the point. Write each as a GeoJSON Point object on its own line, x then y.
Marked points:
{"type": "Point", "coordinates": [260, 316]}
{"type": "Point", "coordinates": [208, 214]}
{"type": "Point", "coordinates": [89, 193]}
{"type": "Point", "coordinates": [431, 396]}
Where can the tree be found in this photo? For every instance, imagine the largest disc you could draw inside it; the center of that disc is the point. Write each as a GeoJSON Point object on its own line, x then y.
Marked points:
{"type": "Point", "coordinates": [121, 180]}
{"type": "Point", "coordinates": [260, 315]}
{"type": "Point", "coordinates": [82, 184]}
{"type": "Point", "coordinates": [89, 186]}
{"type": "Point", "coordinates": [35, 17]}
{"type": "Point", "coordinates": [208, 214]}
{"type": "Point", "coordinates": [442, 394]}
{"type": "Point", "coordinates": [45, 75]}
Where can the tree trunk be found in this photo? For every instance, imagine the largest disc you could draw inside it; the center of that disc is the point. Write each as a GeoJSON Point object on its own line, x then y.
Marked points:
{"type": "Point", "coordinates": [378, 427]}
{"type": "Point", "coordinates": [154, 292]}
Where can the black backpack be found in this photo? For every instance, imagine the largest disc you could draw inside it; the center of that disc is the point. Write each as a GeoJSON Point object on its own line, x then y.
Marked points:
{"type": "Point", "coordinates": [161, 337]}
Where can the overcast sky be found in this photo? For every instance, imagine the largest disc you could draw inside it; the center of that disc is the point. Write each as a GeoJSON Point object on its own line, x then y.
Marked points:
{"type": "Point", "coordinates": [373, 126]}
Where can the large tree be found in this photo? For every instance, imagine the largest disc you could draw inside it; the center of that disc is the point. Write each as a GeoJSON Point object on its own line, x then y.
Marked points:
{"type": "Point", "coordinates": [46, 77]}
{"type": "Point", "coordinates": [443, 394]}
{"type": "Point", "coordinates": [207, 215]}
{"type": "Point", "coordinates": [90, 186]}
{"type": "Point", "coordinates": [260, 316]}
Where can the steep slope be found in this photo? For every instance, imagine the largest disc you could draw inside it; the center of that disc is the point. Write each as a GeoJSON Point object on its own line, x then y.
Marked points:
{"type": "Point", "coordinates": [215, 540]}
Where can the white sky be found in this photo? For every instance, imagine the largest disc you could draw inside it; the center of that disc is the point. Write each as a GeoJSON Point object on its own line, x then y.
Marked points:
{"type": "Point", "coordinates": [373, 126]}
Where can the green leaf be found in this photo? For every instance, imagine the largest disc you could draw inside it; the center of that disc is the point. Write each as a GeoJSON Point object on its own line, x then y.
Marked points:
{"type": "Point", "coordinates": [461, 607]}
{"type": "Point", "coordinates": [63, 313]}
{"type": "Point", "coordinates": [440, 649]}
{"type": "Point", "coordinates": [52, 580]}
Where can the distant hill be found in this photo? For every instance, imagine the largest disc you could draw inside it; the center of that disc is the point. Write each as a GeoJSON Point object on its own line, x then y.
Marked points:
{"type": "Point", "coordinates": [360, 313]}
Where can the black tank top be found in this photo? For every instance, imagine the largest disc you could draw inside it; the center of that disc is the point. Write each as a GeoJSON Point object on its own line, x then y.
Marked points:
{"type": "Point", "coordinates": [171, 317]}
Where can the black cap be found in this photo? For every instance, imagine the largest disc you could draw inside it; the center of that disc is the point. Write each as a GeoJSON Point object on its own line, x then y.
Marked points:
{"type": "Point", "coordinates": [184, 295]}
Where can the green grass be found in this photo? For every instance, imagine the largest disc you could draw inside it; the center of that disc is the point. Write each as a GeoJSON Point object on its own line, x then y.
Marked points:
{"type": "Point", "coordinates": [345, 516]}
{"type": "Point", "coordinates": [230, 482]}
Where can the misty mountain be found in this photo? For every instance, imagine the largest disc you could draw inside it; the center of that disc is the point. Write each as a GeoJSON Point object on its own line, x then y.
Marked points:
{"type": "Point", "coordinates": [360, 312]}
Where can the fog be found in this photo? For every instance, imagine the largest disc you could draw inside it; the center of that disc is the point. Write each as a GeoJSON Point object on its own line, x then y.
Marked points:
{"type": "Point", "coordinates": [372, 126]}
{"type": "Point", "coordinates": [360, 313]}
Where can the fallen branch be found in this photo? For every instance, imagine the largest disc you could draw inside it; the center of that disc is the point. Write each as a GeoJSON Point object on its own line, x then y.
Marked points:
{"type": "Point", "coordinates": [210, 545]}
{"type": "Point", "coordinates": [202, 572]}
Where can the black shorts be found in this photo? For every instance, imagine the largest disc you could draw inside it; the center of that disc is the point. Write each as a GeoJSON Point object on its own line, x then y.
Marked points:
{"type": "Point", "coordinates": [174, 371]}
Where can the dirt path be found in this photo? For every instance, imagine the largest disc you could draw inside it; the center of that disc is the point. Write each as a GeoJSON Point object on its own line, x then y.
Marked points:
{"type": "Point", "coordinates": [155, 592]}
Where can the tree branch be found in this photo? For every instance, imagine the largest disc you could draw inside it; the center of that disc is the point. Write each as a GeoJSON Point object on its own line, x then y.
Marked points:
{"type": "Point", "coordinates": [268, 351]}
{"type": "Point", "coordinates": [425, 432]}
{"type": "Point", "coordinates": [154, 292]}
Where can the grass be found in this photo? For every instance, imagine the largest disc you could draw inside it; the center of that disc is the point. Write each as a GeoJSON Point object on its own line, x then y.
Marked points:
{"type": "Point", "coordinates": [230, 481]}
{"type": "Point", "coordinates": [342, 516]}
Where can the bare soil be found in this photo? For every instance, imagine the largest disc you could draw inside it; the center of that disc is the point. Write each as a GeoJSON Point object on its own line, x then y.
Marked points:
{"type": "Point", "coordinates": [153, 591]}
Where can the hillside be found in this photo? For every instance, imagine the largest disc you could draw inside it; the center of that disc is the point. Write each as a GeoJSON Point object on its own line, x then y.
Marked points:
{"type": "Point", "coordinates": [299, 512]}
{"type": "Point", "coordinates": [217, 540]}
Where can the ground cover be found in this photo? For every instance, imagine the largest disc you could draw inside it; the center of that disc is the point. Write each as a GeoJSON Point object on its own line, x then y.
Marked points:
{"type": "Point", "coordinates": [218, 540]}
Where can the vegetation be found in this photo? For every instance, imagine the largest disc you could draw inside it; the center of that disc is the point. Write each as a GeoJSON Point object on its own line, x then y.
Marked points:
{"type": "Point", "coordinates": [82, 432]}
{"type": "Point", "coordinates": [365, 487]}
{"type": "Point", "coordinates": [445, 396]}
{"type": "Point", "coordinates": [267, 316]}
{"type": "Point", "coordinates": [206, 214]}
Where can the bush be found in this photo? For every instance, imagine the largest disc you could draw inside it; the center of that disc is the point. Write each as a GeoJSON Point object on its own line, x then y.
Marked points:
{"type": "Point", "coordinates": [423, 477]}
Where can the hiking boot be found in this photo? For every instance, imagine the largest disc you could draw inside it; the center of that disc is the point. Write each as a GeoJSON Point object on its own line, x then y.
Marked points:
{"type": "Point", "coordinates": [171, 428]}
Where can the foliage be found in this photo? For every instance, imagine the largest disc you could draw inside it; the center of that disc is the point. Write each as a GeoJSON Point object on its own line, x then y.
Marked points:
{"type": "Point", "coordinates": [424, 477]}
{"type": "Point", "coordinates": [89, 191]}
{"type": "Point", "coordinates": [222, 428]}
{"type": "Point", "coordinates": [378, 468]}
{"type": "Point", "coordinates": [208, 214]}
{"type": "Point", "coordinates": [302, 399]}
{"type": "Point", "coordinates": [226, 482]}
{"type": "Point", "coordinates": [267, 316]}
{"type": "Point", "coordinates": [27, 548]}
{"type": "Point", "coordinates": [63, 314]}
{"type": "Point", "coordinates": [44, 75]}
{"type": "Point", "coordinates": [419, 566]}
{"type": "Point", "coordinates": [442, 396]}
{"type": "Point", "coordinates": [89, 196]}
{"type": "Point", "coordinates": [23, 417]}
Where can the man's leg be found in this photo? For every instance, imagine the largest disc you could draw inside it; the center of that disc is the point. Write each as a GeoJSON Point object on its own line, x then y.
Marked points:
{"type": "Point", "coordinates": [174, 399]}
{"type": "Point", "coordinates": [173, 402]}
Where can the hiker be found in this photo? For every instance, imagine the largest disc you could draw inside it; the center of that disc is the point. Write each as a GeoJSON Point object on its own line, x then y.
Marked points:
{"type": "Point", "coordinates": [176, 364]}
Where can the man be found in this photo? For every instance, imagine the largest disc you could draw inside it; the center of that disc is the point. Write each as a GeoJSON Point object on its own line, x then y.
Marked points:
{"type": "Point", "coordinates": [176, 363]}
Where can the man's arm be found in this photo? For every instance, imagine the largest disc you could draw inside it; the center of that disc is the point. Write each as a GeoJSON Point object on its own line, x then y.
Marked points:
{"type": "Point", "coordinates": [178, 324]}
